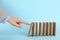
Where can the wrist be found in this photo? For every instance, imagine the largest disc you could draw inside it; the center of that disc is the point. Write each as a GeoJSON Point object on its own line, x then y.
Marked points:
{"type": "Point", "coordinates": [6, 19]}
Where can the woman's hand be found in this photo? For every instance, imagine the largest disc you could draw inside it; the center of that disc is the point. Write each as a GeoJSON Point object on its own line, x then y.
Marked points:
{"type": "Point", "coordinates": [17, 22]}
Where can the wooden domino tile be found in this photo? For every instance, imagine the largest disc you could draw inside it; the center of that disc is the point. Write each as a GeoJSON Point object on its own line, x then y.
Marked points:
{"type": "Point", "coordinates": [54, 28]}
{"type": "Point", "coordinates": [36, 29]}
{"type": "Point", "coordinates": [43, 28]}
{"type": "Point", "coordinates": [32, 29]}
{"type": "Point", "coordinates": [39, 28]}
{"type": "Point", "coordinates": [46, 28]}
{"type": "Point", "coordinates": [51, 29]}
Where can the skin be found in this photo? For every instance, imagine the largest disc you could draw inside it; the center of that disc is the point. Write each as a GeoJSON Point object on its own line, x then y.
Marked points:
{"type": "Point", "coordinates": [17, 22]}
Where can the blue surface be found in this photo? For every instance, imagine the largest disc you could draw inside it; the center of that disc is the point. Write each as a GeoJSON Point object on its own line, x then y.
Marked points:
{"type": "Point", "coordinates": [30, 11]}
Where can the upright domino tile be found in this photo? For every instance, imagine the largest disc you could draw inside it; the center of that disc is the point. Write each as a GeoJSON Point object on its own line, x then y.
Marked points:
{"type": "Point", "coordinates": [32, 29]}
{"type": "Point", "coordinates": [36, 29]}
{"type": "Point", "coordinates": [40, 24]}
{"type": "Point", "coordinates": [54, 28]}
{"type": "Point", "coordinates": [46, 28]}
{"type": "Point", "coordinates": [51, 28]}
{"type": "Point", "coordinates": [43, 28]}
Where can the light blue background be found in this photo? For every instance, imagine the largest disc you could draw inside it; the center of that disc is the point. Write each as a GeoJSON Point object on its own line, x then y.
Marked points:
{"type": "Point", "coordinates": [30, 11]}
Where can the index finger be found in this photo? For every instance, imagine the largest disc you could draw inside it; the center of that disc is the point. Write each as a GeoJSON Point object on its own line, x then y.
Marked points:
{"type": "Point", "coordinates": [24, 22]}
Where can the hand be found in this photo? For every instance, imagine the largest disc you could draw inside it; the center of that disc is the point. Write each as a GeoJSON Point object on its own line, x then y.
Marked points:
{"type": "Point", "coordinates": [17, 22]}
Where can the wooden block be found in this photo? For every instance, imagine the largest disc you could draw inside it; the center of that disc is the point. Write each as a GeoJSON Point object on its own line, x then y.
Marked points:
{"type": "Point", "coordinates": [54, 28]}
{"type": "Point", "coordinates": [32, 29]}
{"type": "Point", "coordinates": [51, 28]}
{"type": "Point", "coordinates": [43, 28]}
{"type": "Point", "coordinates": [36, 29]}
{"type": "Point", "coordinates": [39, 28]}
{"type": "Point", "coordinates": [46, 28]}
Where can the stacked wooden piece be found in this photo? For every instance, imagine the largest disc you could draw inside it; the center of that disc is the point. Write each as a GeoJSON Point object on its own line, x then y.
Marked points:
{"type": "Point", "coordinates": [42, 29]}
